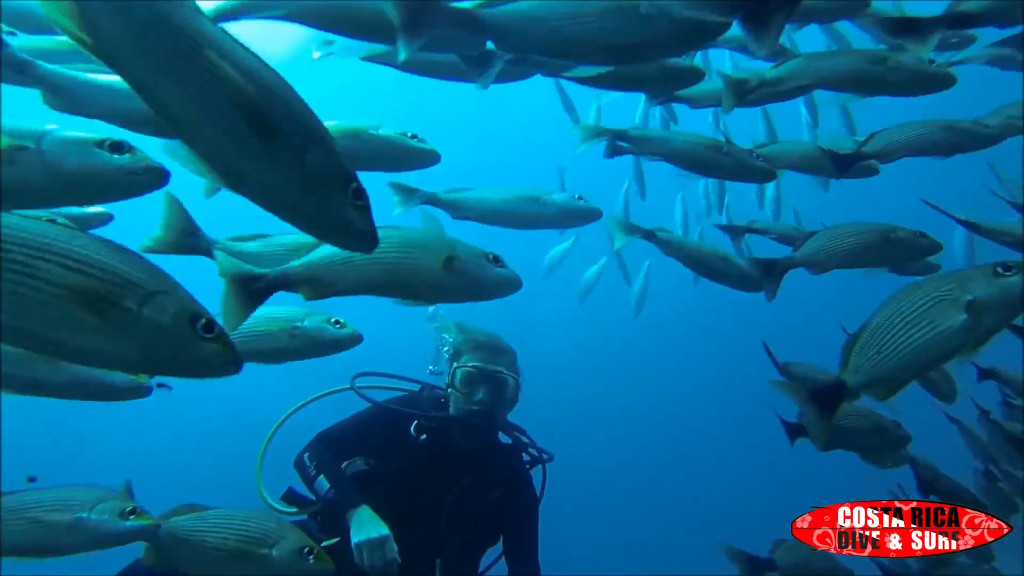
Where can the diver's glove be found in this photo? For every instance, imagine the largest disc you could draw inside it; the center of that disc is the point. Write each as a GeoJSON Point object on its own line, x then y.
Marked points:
{"type": "Point", "coordinates": [373, 545]}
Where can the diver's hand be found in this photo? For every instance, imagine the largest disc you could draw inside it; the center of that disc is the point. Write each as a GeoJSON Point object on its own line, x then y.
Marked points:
{"type": "Point", "coordinates": [373, 546]}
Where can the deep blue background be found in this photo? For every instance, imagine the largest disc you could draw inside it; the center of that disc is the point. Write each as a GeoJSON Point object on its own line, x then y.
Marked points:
{"type": "Point", "coordinates": [666, 444]}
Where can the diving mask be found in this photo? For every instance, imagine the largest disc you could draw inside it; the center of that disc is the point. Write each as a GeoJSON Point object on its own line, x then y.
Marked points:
{"type": "Point", "coordinates": [469, 378]}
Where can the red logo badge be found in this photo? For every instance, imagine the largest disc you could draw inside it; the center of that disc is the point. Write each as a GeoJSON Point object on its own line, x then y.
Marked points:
{"type": "Point", "coordinates": [897, 529]}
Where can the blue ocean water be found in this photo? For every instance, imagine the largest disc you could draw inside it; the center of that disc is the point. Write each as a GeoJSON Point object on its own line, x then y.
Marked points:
{"type": "Point", "coordinates": [666, 445]}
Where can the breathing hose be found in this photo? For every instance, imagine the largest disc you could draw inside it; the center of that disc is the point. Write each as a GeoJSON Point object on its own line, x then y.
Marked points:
{"type": "Point", "coordinates": [351, 387]}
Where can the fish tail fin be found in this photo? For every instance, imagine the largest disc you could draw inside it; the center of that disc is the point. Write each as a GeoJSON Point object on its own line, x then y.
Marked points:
{"type": "Point", "coordinates": [593, 133]}
{"type": "Point", "coordinates": [407, 197]}
{"type": "Point", "coordinates": [623, 232]}
{"type": "Point", "coordinates": [794, 430]}
{"type": "Point", "coordinates": [246, 288]}
{"type": "Point", "coordinates": [771, 356]}
{"type": "Point", "coordinates": [843, 162]}
{"type": "Point", "coordinates": [981, 373]}
{"type": "Point", "coordinates": [818, 404]}
{"type": "Point", "coordinates": [734, 90]}
{"type": "Point", "coordinates": [749, 564]}
{"type": "Point", "coordinates": [178, 233]}
{"type": "Point", "coordinates": [18, 69]}
{"type": "Point", "coordinates": [772, 271]}
{"type": "Point", "coordinates": [764, 22]}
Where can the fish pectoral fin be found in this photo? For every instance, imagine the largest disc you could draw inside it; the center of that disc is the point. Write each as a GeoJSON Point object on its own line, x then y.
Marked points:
{"type": "Point", "coordinates": [449, 262]}
{"type": "Point", "coordinates": [102, 304]}
{"type": "Point", "coordinates": [64, 16]}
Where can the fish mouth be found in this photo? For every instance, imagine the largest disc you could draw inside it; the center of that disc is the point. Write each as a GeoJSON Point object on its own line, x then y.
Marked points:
{"type": "Point", "coordinates": [157, 175]}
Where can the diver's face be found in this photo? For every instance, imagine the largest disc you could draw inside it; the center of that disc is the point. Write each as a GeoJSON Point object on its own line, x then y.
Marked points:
{"type": "Point", "coordinates": [476, 388]}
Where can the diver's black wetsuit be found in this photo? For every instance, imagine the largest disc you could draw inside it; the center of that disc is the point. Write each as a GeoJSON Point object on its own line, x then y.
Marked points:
{"type": "Point", "coordinates": [445, 507]}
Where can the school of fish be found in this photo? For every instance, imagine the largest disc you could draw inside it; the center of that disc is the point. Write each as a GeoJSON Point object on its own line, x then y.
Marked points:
{"type": "Point", "coordinates": [228, 117]}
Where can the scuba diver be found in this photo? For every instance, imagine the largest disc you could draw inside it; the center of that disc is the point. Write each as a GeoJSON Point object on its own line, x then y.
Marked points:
{"type": "Point", "coordinates": [422, 483]}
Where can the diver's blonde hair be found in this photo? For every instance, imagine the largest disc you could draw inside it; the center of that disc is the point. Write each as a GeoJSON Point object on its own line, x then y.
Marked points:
{"type": "Point", "coordinates": [479, 344]}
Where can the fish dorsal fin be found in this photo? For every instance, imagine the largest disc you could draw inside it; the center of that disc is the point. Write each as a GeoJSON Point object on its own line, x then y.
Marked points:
{"type": "Point", "coordinates": [844, 355]}
{"type": "Point", "coordinates": [432, 223]}
{"type": "Point", "coordinates": [249, 237]}
{"type": "Point", "coordinates": [127, 489]}
{"type": "Point", "coordinates": [185, 510]}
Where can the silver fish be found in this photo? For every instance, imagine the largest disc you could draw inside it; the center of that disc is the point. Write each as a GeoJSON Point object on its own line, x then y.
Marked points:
{"type": "Point", "coordinates": [53, 168]}
{"type": "Point", "coordinates": [717, 265]}
{"type": "Point", "coordinates": [281, 334]}
{"type": "Point", "coordinates": [116, 309]}
{"type": "Point", "coordinates": [28, 374]}
{"type": "Point", "coordinates": [517, 209]}
{"type": "Point", "coordinates": [421, 265]}
{"type": "Point", "coordinates": [196, 539]}
{"type": "Point", "coordinates": [73, 519]}
{"type": "Point", "coordinates": [230, 107]}
{"type": "Point", "coordinates": [923, 326]}
{"type": "Point", "coordinates": [853, 245]}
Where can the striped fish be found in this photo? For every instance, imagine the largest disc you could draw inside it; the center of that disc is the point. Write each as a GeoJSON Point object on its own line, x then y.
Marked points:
{"type": "Point", "coordinates": [849, 246]}
{"type": "Point", "coordinates": [196, 539]}
{"type": "Point", "coordinates": [281, 334]}
{"type": "Point", "coordinates": [179, 234]}
{"type": "Point", "coordinates": [1005, 440]}
{"type": "Point", "coordinates": [922, 327]}
{"type": "Point", "coordinates": [27, 374]}
{"type": "Point", "coordinates": [934, 482]}
{"type": "Point", "coordinates": [81, 298]}
{"type": "Point", "coordinates": [73, 519]}
{"type": "Point", "coordinates": [1012, 382]}
{"type": "Point", "coordinates": [414, 264]}
{"type": "Point", "coordinates": [975, 443]}
{"type": "Point", "coordinates": [855, 428]}
{"type": "Point", "coordinates": [920, 139]}
{"type": "Point", "coordinates": [1002, 503]}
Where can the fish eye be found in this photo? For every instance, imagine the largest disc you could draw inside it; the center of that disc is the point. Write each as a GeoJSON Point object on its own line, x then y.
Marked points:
{"type": "Point", "coordinates": [921, 234]}
{"type": "Point", "coordinates": [50, 219]}
{"type": "Point", "coordinates": [496, 260]}
{"type": "Point", "coordinates": [309, 553]}
{"type": "Point", "coordinates": [756, 156]}
{"type": "Point", "coordinates": [357, 193]}
{"type": "Point", "coordinates": [337, 323]}
{"type": "Point", "coordinates": [412, 136]}
{"type": "Point", "coordinates": [1005, 269]}
{"type": "Point", "coordinates": [206, 327]}
{"type": "Point", "coordinates": [131, 512]}
{"type": "Point", "coordinates": [579, 198]}
{"type": "Point", "coordinates": [115, 146]}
